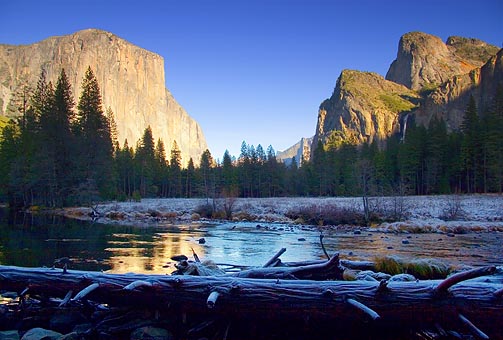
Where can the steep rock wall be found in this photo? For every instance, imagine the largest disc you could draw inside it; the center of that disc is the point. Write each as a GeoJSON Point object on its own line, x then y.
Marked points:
{"type": "Point", "coordinates": [363, 107]}
{"type": "Point", "coordinates": [131, 80]}
{"type": "Point", "coordinates": [424, 61]}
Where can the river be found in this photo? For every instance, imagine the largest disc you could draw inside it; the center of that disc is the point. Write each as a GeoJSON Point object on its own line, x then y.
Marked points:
{"type": "Point", "coordinates": [34, 241]}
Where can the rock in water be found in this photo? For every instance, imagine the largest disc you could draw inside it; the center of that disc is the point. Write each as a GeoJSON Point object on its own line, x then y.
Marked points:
{"type": "Point", "coordinates": [40, 333]}
{"type": "Point", "coordinates": [403, 278]}
{"type": "Point", "coordinates": [151, 333]}
{"type": "Point", "coordinates": [131, 81]}
{"type": "Point", "coordinates": [9, 335]}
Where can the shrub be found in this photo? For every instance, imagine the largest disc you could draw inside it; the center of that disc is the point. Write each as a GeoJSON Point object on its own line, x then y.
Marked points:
{"type": "Point", "coordinates": [204, 210]}
{"type": "Point", "coordinates": [453, 209]}
{"type": "Point", "coordinates": [121, 197]}
{"type": "Point", "coordinates": [327, 215]}
{"type": "Point", "coordinates": [136, 196]}
{"type": "Point", "coordinates": [219, 215]}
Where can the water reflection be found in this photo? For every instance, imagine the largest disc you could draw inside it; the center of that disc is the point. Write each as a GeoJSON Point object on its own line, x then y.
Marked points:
{"type": "Point", "coordinates": [37, 241]}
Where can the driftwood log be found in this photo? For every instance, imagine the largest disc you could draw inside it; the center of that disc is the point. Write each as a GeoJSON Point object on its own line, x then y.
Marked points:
{"type": "Point", "coordinates": [331, 269]}
{"type": "Point", "coordinates": [455, 302]}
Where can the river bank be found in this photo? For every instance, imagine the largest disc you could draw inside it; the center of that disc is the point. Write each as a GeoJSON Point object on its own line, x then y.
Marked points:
{"type": "Point", "coordinates": [446, 213]}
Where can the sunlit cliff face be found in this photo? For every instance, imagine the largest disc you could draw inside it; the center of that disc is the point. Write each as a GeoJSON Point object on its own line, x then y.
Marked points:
{"type": "Point", "coordinates": [131, 81]}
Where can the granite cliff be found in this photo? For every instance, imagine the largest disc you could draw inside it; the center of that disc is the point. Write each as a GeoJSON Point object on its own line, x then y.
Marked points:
{"type": "Point", "coordinates": [364, 107]}
{"type": "Point", "coordinates": [300, 150]}
{"type": "Point", "coordinates": [450, 99]}
{"type": "Point", "coordinates": [424, 61]}
{"type": "Point", "coordinates": [428, 78]}
{"type": "Point", "coordinates": [131, 80]}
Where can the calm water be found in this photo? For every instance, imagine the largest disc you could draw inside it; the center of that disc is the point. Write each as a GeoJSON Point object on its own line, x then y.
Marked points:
{"type": "Point", "coordinates": [31, 241]}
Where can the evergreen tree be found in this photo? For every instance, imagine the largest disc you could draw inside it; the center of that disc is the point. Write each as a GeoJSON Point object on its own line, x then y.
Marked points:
{"type": "Point", "coordinates": [205, 168]}
{"type": "Point", "coordinates": [175, 171]}
{"type": "Point", "coordinates": [437, 172]}
{"type": "Point", "coordinates": [112, 128]}
{"type": "Point", "coordinates": [493, 143]}
{"type": "Point", "coordinates": [58, 134]}
{"type": "Point", "coordinates": [42, 103]}
{"type": "Point", "coordinates": [146, 163]}
{"type": "Point", "coordinates": [9, 146]}
{"type": "Point", "coordinates": [245, 171]}
{"type": "Point", "coordinates": [190, 177]}
{"type": "Point", "coordinates": [56, 162]}
{"type": "Point", "coordinates": [275, 173]}
{"type": "Point", "coordinates": [94, 143]}
{"type": "Point", "coordinates": [161, 170]}
{"type": "Point", "coordinates": [412, 160]}
{"type": "Point", "coordinates": [471, 147]}
{"type": "Point", "coordinates": [228, 174]}
{"type": "Point", "coordinates": [124, 160]}
{"type": "Point", "coordinates": [319, 174]}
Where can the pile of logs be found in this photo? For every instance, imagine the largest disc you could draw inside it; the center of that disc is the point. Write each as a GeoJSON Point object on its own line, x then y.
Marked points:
{"type": "Point", "coordinates": [300, 301]}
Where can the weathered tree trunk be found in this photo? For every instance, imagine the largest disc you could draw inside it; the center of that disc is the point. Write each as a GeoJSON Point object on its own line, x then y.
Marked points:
{"type": "Point", "coordinates": [325, 270]}
{"type": "Point", "coordinates": [388, 304]}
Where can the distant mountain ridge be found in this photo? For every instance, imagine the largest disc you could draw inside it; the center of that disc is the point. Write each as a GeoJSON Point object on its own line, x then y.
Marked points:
{"type": "Point", "coordinates": [131, 80]}
{"type": "Point", "coordinates": [300, 150]}
{"type": "Point", "coordinates": [428, 78]}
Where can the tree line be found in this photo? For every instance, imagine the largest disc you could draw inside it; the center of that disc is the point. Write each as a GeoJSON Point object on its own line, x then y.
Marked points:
{"type": "Point", "coordinates": [54, 155]}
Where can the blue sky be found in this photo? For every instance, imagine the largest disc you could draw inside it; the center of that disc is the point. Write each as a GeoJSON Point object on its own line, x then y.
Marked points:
{"type": "Point", "coordinates": [256, 70]}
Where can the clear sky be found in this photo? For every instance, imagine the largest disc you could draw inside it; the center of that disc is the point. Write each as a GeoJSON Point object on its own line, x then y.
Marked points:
{"type": "Point", "coordinates": [256, 70]}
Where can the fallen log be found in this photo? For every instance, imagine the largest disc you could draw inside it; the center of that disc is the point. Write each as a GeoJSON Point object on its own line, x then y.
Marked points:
{"type": "Point", "coordinates": [356, 265]}
{"type": "Point", "coordinates": [275, 258]}
{"type": "Point", "coordinates": [344, 303]}
{"type": "Point", "coordinates": [331, 269]}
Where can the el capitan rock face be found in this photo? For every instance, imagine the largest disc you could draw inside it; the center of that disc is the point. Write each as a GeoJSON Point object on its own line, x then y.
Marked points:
{"type": "Point", "coordinates": [131, 80]}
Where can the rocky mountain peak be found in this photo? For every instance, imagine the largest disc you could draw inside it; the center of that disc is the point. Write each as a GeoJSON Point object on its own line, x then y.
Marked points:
{"type": "Point", "coordinates": [363, 107]}
{"type": "Point", "coordinates": [131, 79]}
{"type": "Point", "coordinates": [424, 61]}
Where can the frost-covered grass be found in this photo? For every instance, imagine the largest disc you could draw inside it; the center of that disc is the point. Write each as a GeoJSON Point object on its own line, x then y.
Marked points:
{"type": "Point", "coordinates": [412, 214]}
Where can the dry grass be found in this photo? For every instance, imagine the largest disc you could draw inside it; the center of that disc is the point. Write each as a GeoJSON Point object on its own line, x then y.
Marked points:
{"type": "Point", "coordinates": [424, 269]}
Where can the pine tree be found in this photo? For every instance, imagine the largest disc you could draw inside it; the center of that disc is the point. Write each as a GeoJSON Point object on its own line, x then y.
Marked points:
{"type": "Point", "coordinates": [145, 161]}
{"type": "Point", "coordinates": [175, 171]}
{"type": "Point", "coordinates": [319, 168]}
{"type": "Point", "coordinates": [56, 164]}
{"type": "Point", "coordinates": [228, 174]}
{"type": "Point", "coordinates": [245, 171]}
{"type": "Point", "coordinates": [9, 145]}
{"type": "Point", "coordinates": [471, 147]}
{"type": "Point", "coordinates": [190, 176]}
{"type": "Point", "coordinates": [206, 168]}
{"type": "Point", "coordinates": [112, 129]}
{"type": "Point", "coordinates": [124, 161]}
{"type": "Point", "coordinates": [61, 137]}
{"type": "Point", "coordinates": [492, 125]}
{"type": "Point", "coordinates": [161, 171]}
{"type": "Point", "coordinates": [437, 171]}
{"type": "Point", "coordinates": [94, 143]}
{"type": "Point", "coordinates": [42, 103]}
